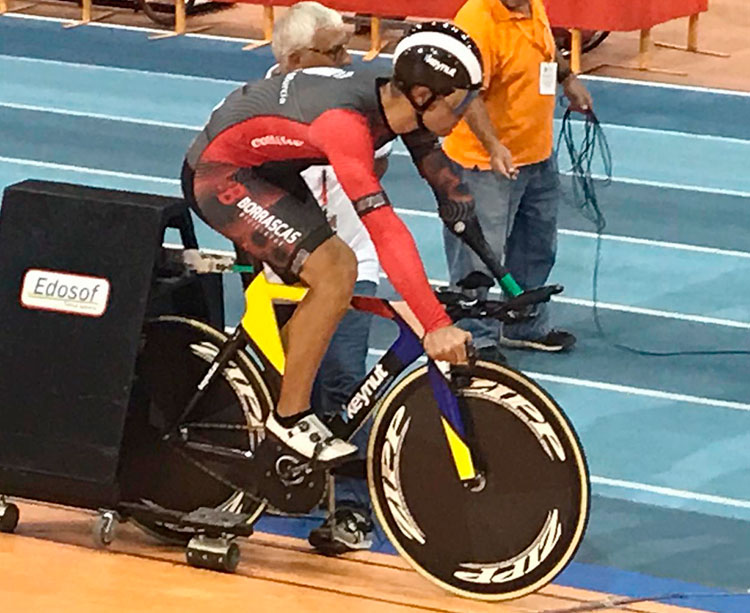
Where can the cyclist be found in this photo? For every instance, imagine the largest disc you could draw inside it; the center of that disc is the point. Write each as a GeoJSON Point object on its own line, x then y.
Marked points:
{"type": "Point", "coordinates": [242, 176]}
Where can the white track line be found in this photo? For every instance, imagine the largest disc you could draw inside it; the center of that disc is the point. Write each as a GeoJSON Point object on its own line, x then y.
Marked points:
{"type": "Point", "coordinates": [58, 111]}
{"type": "Point", "coordinates": [83, 169]}
{"type": "Point", "coordinates": [679, 133]}
{"type": "Point", "coordinates": [640, 391]}
{"type": "Point", "coordinates": [609, 306]}
{"type": "Point", "coordinates": [656, 84]}
{"type": "Point", "coordinates": [664, 244]}
{"type": "Point", "coordinates": [671, 492]}
{"type": "Point", "coordinates": [171, 75]}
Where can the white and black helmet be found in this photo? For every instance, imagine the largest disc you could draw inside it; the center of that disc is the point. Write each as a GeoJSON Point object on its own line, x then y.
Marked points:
{"type": "Point", "coordinates": [439, 56]}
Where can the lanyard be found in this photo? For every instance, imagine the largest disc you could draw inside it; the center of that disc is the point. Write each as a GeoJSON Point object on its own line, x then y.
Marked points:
{"type": "Point", "coordinates": [544, 48]}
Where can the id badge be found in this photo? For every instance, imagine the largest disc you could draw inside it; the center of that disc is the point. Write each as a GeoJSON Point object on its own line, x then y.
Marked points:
{"type": "Point", "coordinates": [548, 78]}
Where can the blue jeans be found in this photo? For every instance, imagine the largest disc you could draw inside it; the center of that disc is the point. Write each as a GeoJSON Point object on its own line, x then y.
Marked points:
{"type": "Point", "coordinates": [519, 221]}
{"type": "Point", "coordinates": [343, 366]}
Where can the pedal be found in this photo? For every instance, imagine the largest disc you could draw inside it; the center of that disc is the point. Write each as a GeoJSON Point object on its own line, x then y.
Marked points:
{"type": "Point", "coordinates": [215, 522]}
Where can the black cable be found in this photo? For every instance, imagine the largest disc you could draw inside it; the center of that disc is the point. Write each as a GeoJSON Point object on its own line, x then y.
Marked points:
{"type": "Point", "coordinates": [585, 200]}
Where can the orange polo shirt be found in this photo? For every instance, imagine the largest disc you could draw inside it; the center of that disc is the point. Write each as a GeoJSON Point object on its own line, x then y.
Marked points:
{"type": "Point", "coordinates": [513, 47]}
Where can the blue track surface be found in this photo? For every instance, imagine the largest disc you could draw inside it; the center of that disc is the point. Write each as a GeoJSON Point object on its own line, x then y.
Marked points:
{"type": "Point", "coordinates": [668, 439]}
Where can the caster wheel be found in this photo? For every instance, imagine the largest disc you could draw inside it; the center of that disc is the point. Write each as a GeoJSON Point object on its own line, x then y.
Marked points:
{"type": "Point", "coordinates": [213, 554]}
{"type": "Point", "coordinates": [8, 517]}
{"type": "Point", "coordinates": [104, 529]}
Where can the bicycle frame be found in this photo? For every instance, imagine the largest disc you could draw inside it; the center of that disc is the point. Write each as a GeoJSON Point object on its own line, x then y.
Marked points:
{"type": "Point", "coordinates": [260, 331]}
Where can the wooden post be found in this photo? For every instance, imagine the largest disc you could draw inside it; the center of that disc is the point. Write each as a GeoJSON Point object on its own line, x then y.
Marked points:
{"type": "Point", "coordinates": [644, 57]}
{"type": "Point", "coordinates": [180, 23]}
{"type": "Point", "coordinates": [376, 40]}
{"type": "Point", "coordinates": [692, 40]}
{"type": "Point", "coordinates": [268, 22]}
{"type": "Point", "coordinates": [87, 16]}
{"type": "Point", "coordinates": [179, 17]}
{"type": "Point", "coordinates": [268, 19]}
{"type": "Point", "coordinates": [575, 50]}
{"type": "Point", "coordinates": [692, 44]}
{"type": "Point", "coordinates": [644, 49]}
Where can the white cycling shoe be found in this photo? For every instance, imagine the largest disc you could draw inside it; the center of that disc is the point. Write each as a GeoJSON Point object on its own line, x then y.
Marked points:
{"type": "Point", "coordinates": [312, 439]}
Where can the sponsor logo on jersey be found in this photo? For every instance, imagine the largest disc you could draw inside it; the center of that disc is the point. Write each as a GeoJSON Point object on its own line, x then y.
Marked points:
{"type": "Point", "coordinates": [275, 140]}
{"type": "Point", "coordinates": [271, 223]}
{"type": "Point", "coordinates": [285, 83]}
{"type": "Point", "coordinates": [366, 392]}
{"type": "Point", "coordinates": [517, 566]}
{"type": "Point", "coordinates": [439, 66]}
{"type": "Point", "coordinates": [64, 292]}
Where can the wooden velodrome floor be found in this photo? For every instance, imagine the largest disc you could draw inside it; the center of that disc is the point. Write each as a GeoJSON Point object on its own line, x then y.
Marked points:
{"type": "Point", "coordinates": [50, 564]}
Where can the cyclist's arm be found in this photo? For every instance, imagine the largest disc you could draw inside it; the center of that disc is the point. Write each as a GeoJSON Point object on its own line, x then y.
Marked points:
{"type": "Point", "coordinates": [344, 137]}
{"type": "Point", "coordinates": [455, 202]}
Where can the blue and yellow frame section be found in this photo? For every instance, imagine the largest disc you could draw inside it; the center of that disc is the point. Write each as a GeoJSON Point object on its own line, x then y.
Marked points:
{"type": "Point", "coordinates": [261, 325]}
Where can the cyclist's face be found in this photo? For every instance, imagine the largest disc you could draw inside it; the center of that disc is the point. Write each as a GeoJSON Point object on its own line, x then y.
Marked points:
{"type": "Point", "coordinates": [443, 114]}
{"type": "Point", "coordinates": [328, 49]}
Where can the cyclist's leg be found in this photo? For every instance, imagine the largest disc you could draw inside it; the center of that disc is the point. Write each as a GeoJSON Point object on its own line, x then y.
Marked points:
{"type": "Point", "coordinates": [284, 227]}
{"type": "Point", "coordinates": [330, 272]}
{"type": "Point", "coordinates": [344, 365]}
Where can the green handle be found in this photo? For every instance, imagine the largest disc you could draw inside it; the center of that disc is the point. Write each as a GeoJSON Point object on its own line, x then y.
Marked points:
{"type": "Point", "coordinates": [242, 268]}
{"type": "Point", "coordinates": [510, 287]}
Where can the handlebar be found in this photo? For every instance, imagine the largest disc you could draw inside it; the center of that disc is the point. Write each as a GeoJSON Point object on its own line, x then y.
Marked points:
{"type": "Point", "coordinates": [460, 305]}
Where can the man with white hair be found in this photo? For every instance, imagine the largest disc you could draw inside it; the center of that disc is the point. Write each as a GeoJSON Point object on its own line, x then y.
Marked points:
{"type": "Point", "coordinates": [308, 35]}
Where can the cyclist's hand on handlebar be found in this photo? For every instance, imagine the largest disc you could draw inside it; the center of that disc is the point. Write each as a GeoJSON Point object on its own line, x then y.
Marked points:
{"type": "Point", "coordinates": [448, 344]}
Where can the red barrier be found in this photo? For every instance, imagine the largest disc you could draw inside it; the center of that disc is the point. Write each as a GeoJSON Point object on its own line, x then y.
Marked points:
{"type": "Point", "coordinates": [577, 15]}
{"type": "Point", "coordinates": [437, 9]}
{"type": "Point", "coordinates": [619, 15]}
{"type": "Point", "coordinates": [583, 14]}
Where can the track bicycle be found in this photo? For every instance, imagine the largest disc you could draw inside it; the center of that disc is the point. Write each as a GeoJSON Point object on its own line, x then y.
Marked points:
{"type": "Point", "coordinates": [475, 473]}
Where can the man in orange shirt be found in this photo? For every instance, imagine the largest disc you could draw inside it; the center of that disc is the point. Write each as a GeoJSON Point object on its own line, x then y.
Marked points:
{"type": "Point", "coordinates": [505, 150]}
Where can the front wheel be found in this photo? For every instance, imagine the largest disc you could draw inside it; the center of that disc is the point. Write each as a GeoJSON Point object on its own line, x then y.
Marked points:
{"type": "Point", "coordinates": [513, 530]}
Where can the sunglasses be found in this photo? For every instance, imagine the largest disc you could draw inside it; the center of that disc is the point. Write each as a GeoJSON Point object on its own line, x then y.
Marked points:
{"type": "Point", "coordinates": [468, 99]}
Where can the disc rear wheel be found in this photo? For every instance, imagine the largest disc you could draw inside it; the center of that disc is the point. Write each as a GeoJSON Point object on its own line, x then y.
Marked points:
{"type": "Point", "coordinates": [175, 355]}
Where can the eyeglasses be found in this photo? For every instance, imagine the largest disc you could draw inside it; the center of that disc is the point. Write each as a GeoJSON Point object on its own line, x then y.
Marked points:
{"type": "Point", "coordinates": [334, 53]}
